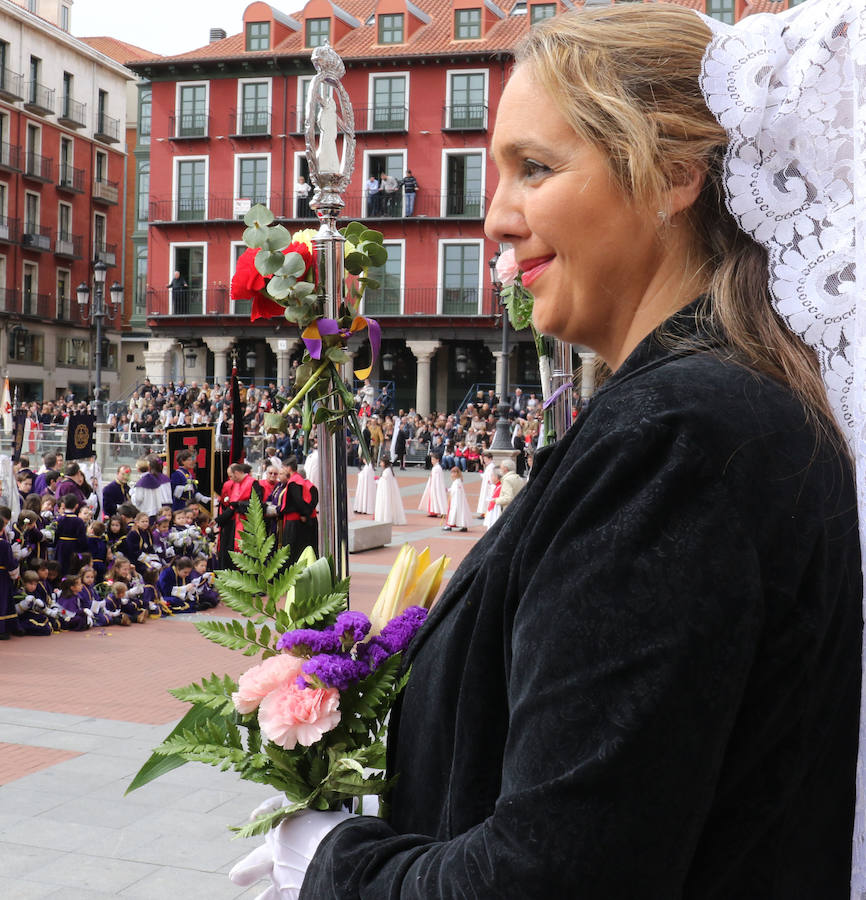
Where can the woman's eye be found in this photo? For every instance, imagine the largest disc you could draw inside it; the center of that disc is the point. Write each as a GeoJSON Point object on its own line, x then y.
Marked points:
{"type": "Point", "coordinates": [533, 169]}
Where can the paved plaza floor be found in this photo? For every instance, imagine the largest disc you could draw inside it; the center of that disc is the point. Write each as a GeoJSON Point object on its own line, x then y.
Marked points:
{"type": "Point", "coordinates": [80, 713]}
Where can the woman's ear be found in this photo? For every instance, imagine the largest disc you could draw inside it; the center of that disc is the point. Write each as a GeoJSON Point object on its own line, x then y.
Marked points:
{"type": "Point", "coordinates": [682, 194]}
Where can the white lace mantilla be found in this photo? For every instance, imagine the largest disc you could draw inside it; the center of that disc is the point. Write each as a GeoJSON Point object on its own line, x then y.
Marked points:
{"type": "Point", "coordinates": [790, 89]}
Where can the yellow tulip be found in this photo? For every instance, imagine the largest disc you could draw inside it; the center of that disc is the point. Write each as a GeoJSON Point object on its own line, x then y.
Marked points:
{"type": "Point", "coordinates": [412, 581]}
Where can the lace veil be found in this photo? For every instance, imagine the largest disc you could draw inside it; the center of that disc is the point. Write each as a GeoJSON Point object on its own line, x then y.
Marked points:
{"type": "Point", "coordinates": [790, 89]}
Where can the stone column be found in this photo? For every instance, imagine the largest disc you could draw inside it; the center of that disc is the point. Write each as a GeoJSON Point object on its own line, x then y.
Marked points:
{"type": "Point", "coordinates": [442, 379]}
{"type": "Point", "coordinates": [587, 375]}
{"type": "Point", "coordinates": [423, 352]}
{"type": "Point", "coordinates": [281, 348]}
{"type": "Point", "coordinates": [156, 359]}
{"type": "Point", "coordinates": [502, 360]}
{"type": "Point", "coordinates": [220, 347]}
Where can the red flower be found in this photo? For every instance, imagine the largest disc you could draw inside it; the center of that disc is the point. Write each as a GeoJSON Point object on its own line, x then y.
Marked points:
{"type": "Point", "coordinates": [247, 280]}
{"type": "Point", "coordinates": [265, 308]}
{"type": "Point", "coordinates": [304, 251]}
{"type": "Point", "coordinates": [249, 284]}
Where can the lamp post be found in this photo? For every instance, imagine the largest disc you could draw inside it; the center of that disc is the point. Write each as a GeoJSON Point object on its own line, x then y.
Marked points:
{"type": "Point", "coordinates": [502, 437]}
{"type": "Point", "coordinates": [98, 312]}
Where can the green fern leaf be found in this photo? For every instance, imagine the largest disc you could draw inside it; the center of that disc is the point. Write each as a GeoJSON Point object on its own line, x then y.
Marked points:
{"type": "Point", "coordinates": [214, 692]}
{"type": "Point", "coordinates": [249, 564]}
{"type": "Point", "coordinates": [316, 610]}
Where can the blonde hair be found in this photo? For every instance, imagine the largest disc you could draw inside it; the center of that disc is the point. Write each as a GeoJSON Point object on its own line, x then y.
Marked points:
{"type": "Point", "coordinates": [627, 80]}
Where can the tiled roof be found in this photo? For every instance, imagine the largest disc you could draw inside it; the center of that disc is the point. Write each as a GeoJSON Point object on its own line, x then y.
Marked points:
{"type": "Point", "coordinates": [432, 39]}
{"type": "Point", "coordinates": [117, 50]}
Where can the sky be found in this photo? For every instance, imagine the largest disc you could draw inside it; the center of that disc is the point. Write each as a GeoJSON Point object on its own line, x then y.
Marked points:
{"type": "Point", "coordinates": [166, 27]}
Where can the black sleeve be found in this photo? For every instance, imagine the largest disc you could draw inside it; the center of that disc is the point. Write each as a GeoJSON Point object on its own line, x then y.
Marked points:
{"type": "Point", "coordinates": [636, 616]}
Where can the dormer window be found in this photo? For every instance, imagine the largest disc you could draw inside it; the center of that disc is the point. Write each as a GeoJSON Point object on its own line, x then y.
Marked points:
{"type": "Point", "coordinates": [391, 29]}
{"type": "Point", "coordinates": [318, 32]}
{"type": "Point", "coordinates": [538, 12]}
{"type": "Point", "coordinates": [467, 24]}
{"type": "Point", "coordinates": [258, 36]}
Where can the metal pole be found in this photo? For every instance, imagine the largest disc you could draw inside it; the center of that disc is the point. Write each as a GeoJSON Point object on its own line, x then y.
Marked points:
{"type": "Point", "coordinates": [563, 373]}
{"type": "Point", "coordinates": [330, 174]}
{"type": "Point", "coordinates": [98, 314]}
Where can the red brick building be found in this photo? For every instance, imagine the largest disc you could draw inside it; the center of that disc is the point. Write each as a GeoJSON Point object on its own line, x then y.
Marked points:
{"type": "Point", "coordinates": [425, 80]}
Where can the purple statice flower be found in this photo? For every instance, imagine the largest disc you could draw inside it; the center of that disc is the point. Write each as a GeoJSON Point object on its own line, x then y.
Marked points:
{"type": "Point", "coordinates": [336, 671]}
{"type": "Point", "coordinates": [395, 636]}
{"type": "Point", "coordinates": [309, 642]}
{"type": "Point", "coordinates": [373, 653]}
{"type": "Point", "coordinates": [351, 627]}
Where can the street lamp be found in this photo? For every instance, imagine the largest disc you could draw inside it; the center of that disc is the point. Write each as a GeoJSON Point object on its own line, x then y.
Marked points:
{"type": "Point", "coordinates": [97, 314]}
{"type": "Point", "coordinates": [502, 437]}
{"type": "Point", "coordinates": [250, 357]}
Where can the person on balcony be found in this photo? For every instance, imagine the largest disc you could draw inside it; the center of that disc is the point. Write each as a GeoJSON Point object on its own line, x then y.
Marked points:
{"type": "Point", "coordinates": [373, 198]}
{"type": "Point", "coordinates": [410, 188]}
{"type": "Point", "coordinates": [391, 191]}
{"type": "Point", "coordinates": [178, 287]}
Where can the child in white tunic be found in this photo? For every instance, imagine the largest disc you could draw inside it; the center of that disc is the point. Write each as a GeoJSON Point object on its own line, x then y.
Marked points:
{"type": "Point", "coordinates": [434, 500]}
{"type": "Point", "coordinates": [494, 510]}
{"type": "Point", "coordinates": [458, 508]}
{"type": "Point", "coordinates": [365, 492]}
{"type": "Point", "coordinates": [389, 506]}
{"type": "Point", "coordinates": [486, 486]}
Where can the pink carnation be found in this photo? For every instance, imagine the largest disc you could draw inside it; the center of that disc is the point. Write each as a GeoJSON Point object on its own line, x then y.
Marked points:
{"type": "Point", "coordinates": [275, 672]}
{"type": "Point", "coordinates": [506, 267]}
{"type": "Point", "coordinates": [291, 715]}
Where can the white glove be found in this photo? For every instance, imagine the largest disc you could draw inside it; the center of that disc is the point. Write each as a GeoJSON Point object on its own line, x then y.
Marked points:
{"type": "Point", "coordinates": [286, 854]}
{"type": "Point", "coordinates": [270, 509]}
{"type": "Point", "coordinates": [135, 591]}
{"type": "Point", "coordinates": [98, 606]}
{"type": "Point", "coordinates": [179, 592]}
{"type": "Point", "coordinates": [92, 501]}
{"type": "Point", "coordinates": [37, 603]}
{"type": "Point", "coordinates": [23, 605]}
{"type": "Point", "coordinates": [202, 499]}
{"type": "Point", "coordinates": [53, 611]}
{"type": "Point", "coordinates": [55, 593]}
{"type": "Point", "coordinates": [152, 607]}
{"type": "Point", "coordinates": [181, 489]}
{"type": "Point", "coordinates": [88, 614]}
{"type": "Point", "coordinates": [47, 534]}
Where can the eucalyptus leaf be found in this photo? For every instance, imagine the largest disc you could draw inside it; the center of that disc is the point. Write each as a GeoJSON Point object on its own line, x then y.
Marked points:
{"type": "Point", "coordinates": [337, 355]}
{"type": "Point", "coordinates": [355, 262]}
{"type": "Point", "coordinates": [269, 261]}
{"type": "Point", "coordinates": [370, 283]}
{"type": "Point", "coordinates": [255, 237]}
{"type": "Point", "coordinates": [303, 289]}
{"type": "Point", "coordinates": [278, 238]}
{"type": "Point", "coordinates": [377, 253]}
{"type": "Point", "coordinates": [370, 234]}
{"type": "Point", "coordinates": [353, 231]}
{"type": "Point", "coordinates": [280, 286]}
{"type": "Point", "coordinates": [294, 314]}
{"type": "Point", "coordinates": [259, 215]}
{"type": "Point", "coordinates": [293, 264]}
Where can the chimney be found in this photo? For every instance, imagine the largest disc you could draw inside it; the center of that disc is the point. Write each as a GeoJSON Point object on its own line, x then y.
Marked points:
{"type": "Point", "coordinates": [217, 34]}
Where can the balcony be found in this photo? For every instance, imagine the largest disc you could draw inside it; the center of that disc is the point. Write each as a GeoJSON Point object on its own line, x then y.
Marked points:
{"type": "Point", "coordinates": [382, 118]}
{"type": "Point", "coordinates": [70, 179]}
{"type": "Point", "coordinates": [10, 85]}
{"type": "Point", "coordinates": [72, 113]}
{"type": "Point", "coordinates": [39, 168]}
{"type": "Point", "coordinates": [465, 117]}
{"type": "Point", "coordinates": [106, 129]}
{"type": "Point", "coordinates": [39, 99]}
{"type": "Point", "coordinates": [105, 191]}
{"type": "Point", "coordinates": [36, 237]}
{"type": "Point", "coordinates": [9, 300]}
{"type": "Point", "coordinates": [10, 157]}
{"type": "Point", "coordinates": [67, 245]}
{"type": "Point", "coordinates": [430, 301]}
{"type": "Point", "coordinates": [35, 305]}
{"type": "Point", "coordinates": [212, 300]}
{"type": "Point", "coordinates": [188, 126]}
{"type": "Point", "coordinates": [215, 207]}
{"type": "Point", "coordinates": [249, 123]}
{"type": "Point", "coordinates": [9, 230]}
{"type": "Point", "coordinates": [106, 253]}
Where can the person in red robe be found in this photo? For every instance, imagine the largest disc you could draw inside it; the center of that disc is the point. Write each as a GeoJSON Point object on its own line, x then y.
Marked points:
{"type": "Point", "coordinates": [234, 506]}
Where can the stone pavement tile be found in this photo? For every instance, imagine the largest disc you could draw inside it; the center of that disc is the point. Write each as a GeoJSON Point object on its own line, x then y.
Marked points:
{"type": "Point", "coordinates": [17, 860]}
{"type": "Point", "coordinates": [44, 831]}
{"type": "Point", "coordinates": [206, 799]}
{"type": "Point", "coordinates": [157, 794]}
{"type": "Point", "coordinates": [183, 825]}
{"type": "Point", "coordinates": [74, 893]}
{"type": "Point", "coordinates": [108, 767]}
{"type": "Point", "coordinates": [114, 729]}
{"type": "Point", "coordinates": [38, 718]}
{"type": "Point", "coordinates": [186, 853]}
{"type": "Point", "coordinates": [65, 740]}
{"type": "Point", "coordinates": [91, 873]}
{"type": "Point", "coordinates": [174, 883]}
{"type": "Point", "coordinates": [102, 812]}
{"type": "Point", "coordinates": [19, 889]}
{"type": "Point", "coordinates": [19, 760]}
{"type": "Point", "coordinates": [53, 781]}
{"type": "Point", "coordinates": [20, 734]}
{"type": "Point", "coordinates": [15, 799]}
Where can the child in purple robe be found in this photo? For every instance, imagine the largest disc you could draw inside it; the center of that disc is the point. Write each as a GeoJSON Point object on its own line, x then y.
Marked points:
{"type": "Point", "coordinates": [70, 536]}
{"type": "Point", "coordinates": [156, 605]}
{"type": "Point", "coordinates": [174, 586]}
{"type": "Point", "coordinates": [206, 596]}
{"type": "Point", "coordinates": [8, 574]}
{"type": "Point", "coordinates": [88, 598]}
{"type": "Point", "coordinates": [138, 545]}
{"type": "Point", "coordinates": [44, 593]}
{"type": "Point", "coordinates": [130, 598]}
{"type": "Point", "coordinates": [97, 546]}
{"type": "Point", "coordinates": [78, 618]}
{"type": "Point", "coordinates": [32, 617]}
{"type": "Point", "coordinates": [161, 545]}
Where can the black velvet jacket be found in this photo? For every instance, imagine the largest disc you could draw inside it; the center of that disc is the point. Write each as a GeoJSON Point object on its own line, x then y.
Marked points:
{"type": "Point", "coordinates": [644, 681]}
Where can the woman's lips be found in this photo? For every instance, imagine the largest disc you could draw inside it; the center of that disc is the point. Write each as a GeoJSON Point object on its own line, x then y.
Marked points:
{"type": "Point", "coordinates": [534, 268]}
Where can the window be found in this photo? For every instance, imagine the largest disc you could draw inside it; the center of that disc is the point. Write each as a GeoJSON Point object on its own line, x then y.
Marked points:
{"type": "Point", "coordinates": [31, 213]}
{"type": "Point", "coordinates": [464, 180]}
{"type": "Point", "coordinates": [64, 295]}
{"type": "Point", "coordinates": [723, 10]}
{"type": "Point", "coordinates": [389, 103]}
{"type": "Point", "coordinates": [4, 200]}
{"type": "Point", "coordinates": [139, 290]}
{"type": "Point", "coordinates": [33, 6]}
{"type": "Point", "coordinates": [100, 169]}
{"type": "Point", "coordinates": [27, 346]}
{"type": "Point", "coordinates": [99, 233]}
{"type": "Point", "coordinates": [29, 292]}
{"type": "Point", "coordinates": [145, 112]}
{"type": "Point", "coordinates": [258, 36]}
{"type": "Point", "coordinates": [67, 94]}
{"type": "Point", "coordinates": [391, 29]}
{"type": "Point", "coordinates": [73, 353]}
{"type": "Point", "coordinates": [538, 12]}
{"type": "Point", "coordinates": [192, 115]}
{"type": "Point", "coordinates": [64, 222]}
{"type": "Point", "coordinates": [384, 203]}
{"type": "Point", "coordinates": [142, 206]}
{"type": "Point", "coordinates": [34, 145]}
{"type": "Point", "coordinates": [239, 307]}
{"type": "Point", "coordinates": [253, 179]}
{"type": "Point", "coordinates": [190, 260]}
{"type": "Point", "coordinates": [64, 17]}
{"type": "Point", "coordinates": [303, 92]}
{"type": "Point", "coordinates": [255, 107]}
{"type": "Point", "coordinates": [191, 201]}
{"type": "Point", "coordinates": [467, 24]}
{"type": "Point", "coordinates": [102, 112]}
{"type": "Point", "coordinates": [385, 299]}
{"type": "Point", "coordinates": [318, 32]}
{"type": "Point", "coordinates": [461, 265]}
{"type": "Point", "coordinates": [467, 92]}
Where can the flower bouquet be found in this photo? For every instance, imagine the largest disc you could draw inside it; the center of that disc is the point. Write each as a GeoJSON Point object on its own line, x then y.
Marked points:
{"type": "Point", "coordinates": [310, 718]}
{"type": "Point", "coordinates": [278, 274]}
